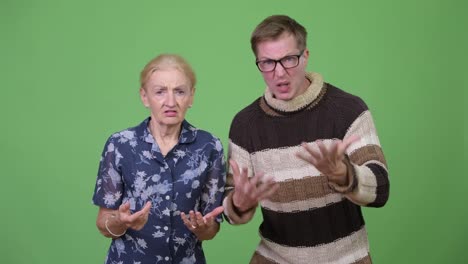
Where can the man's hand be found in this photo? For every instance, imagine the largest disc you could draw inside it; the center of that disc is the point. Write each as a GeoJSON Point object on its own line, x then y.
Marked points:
{"type": "Point", "coordinates": [248, 192]}
{"type": "Point", "coordinates": [329, 161]}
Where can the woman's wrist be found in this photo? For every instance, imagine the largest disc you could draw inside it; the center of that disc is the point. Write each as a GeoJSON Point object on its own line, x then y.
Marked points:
{"type": "Point", "coordinates": [114, 227]}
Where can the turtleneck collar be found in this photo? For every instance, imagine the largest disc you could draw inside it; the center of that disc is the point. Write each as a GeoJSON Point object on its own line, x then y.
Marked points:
{"type": "Point", "coordinates": [300, 102]}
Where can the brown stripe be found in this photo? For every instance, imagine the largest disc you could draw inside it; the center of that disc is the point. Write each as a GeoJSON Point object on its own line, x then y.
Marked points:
{"type": "Point", "coordinates": [267, 109]}
{"type": "Point", "coordinates": [259, 259]}
{"type": "Point", "coordinates": [326, 225]}
{"type": "Point", "coordinates": [302, 189]}
{"type": "Point", "coordinates": [366, 153]}
{"type": "Point", "coordinates": [364, 260]}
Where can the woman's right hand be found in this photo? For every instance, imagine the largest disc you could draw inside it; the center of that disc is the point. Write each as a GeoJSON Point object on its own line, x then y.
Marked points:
{"type": "Point", "coordinates": [134, 221]}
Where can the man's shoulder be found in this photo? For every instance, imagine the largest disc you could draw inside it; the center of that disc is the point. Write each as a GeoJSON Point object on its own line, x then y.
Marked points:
{"type": "Point", "coordinates": [247, 113]}
{"type": "Point", "coordinates": [343, 99]}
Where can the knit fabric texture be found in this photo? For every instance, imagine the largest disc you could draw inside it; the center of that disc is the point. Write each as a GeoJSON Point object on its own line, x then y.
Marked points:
{"type": "Point", "coordinates": [309, 219]}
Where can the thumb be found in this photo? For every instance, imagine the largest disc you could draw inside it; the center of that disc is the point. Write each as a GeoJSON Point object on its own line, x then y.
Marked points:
{"type": "Point", "coordinates": [214, 213]}
{"type": "Point", "coordinates": [124, 208]}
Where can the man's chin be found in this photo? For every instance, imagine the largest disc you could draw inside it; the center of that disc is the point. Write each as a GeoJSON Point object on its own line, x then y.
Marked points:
{"type": "Point", "coordinates": [283, 96]}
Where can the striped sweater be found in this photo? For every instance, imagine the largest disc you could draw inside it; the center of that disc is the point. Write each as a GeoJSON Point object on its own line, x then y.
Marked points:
{"type": "Point", "coordinates": [309, 220]}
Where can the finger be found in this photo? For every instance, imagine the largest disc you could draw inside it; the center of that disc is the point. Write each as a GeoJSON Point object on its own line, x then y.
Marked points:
{"type": "Point", "coordinates": [346, 143]}
{"type": "Point", "coordinates": [350, 140]}
{"type": "Point", "coordinates": [146, 208]}
{"type": "Point", "coordinates": [144, 212]}
{"type": "Point", "coordinates": [199, 219]}
{"type": "Point", "coordinates": [217, 211]}
{"type": "Point", "coordinates": [267, 191]}
{"type": "Point", "coordinates": [192, 220]}
{"type": "Point", "coordinates": [333, 152]}
{"type": "Point", "coordinates": [322, 147]}
{"type": "Point", "coordinates": [124, 208]}
{"type": "Point", "coordinates": [244, 175]}
{"type": "Point", "coordinates": [186, 221]}
{"type": "Point", "coordinates": [255, 180]}
{"type": "Point", "coordinates": [235, 171]}
{"type": "Point", "coordinates": [311, 151]}
{"type": "Point", "coordinates": [326, 153]}
{"type": "Point", "coordinates": [307, 158]}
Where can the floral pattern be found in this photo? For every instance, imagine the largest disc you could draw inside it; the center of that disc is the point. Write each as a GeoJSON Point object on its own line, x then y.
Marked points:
{"type": "Point", "coordinates": [190, 177]}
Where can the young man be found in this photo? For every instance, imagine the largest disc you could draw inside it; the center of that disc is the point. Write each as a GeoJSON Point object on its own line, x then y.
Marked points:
{"type": "Point", "coordinates": [308, 152]}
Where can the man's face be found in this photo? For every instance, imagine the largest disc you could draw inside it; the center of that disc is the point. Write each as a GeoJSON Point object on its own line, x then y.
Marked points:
{"type": "Point", "coordinates": [284, 84]}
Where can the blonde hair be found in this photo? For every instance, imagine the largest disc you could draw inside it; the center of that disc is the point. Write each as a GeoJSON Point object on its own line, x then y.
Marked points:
{"type": "Point", "coordinates": [165, 62]}
{"type": "Point", "coordinates": [273, 27]}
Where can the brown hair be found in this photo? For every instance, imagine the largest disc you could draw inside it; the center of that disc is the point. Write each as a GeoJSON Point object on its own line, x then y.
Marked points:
{"type": "Point", "coordinates": [274, 26]}
{"type": "Point", "coordinates": [164, 62]}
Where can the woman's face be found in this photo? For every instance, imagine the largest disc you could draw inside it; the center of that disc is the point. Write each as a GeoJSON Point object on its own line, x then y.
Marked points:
{"type": "Point", "coordinates": [168, 94]}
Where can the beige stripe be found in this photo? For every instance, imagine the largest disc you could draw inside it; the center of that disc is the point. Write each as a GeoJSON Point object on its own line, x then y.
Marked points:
{"type": "Point", "coordinates": [302, 189]}
{"type": "Point", "coordinates": [346, 250]}
{"type": "Point", "coordinates": [259, 259]}
{"type": "Point", "coordinates": [300, 101]}
{"type": "Point", "coordinates": [304, 205]}
{"type": "Point", "coordinates": [241, 156]}
{"type": "Point", "coordinates": [366, 153]}
{"type": "Point", "coordinates": [365, 191]}
{"type": "Point", "coordinates": [282, 164]}
{"type": "Point", "coordinates": [363, 127]}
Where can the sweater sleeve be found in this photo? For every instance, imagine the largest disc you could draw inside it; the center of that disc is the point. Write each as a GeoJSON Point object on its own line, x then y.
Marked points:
{"type": "Point", "coordinates": [237, 151]}
{"type": "Point", "coordinates": [371, 184]}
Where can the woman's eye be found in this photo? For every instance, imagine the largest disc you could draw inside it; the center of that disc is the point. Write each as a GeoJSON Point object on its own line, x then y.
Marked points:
{"type": "Point", "coordinates": [180, 92]}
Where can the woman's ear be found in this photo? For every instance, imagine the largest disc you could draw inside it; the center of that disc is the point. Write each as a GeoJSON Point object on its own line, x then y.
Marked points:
{"type": "Point", "coordinates": [143, 97]}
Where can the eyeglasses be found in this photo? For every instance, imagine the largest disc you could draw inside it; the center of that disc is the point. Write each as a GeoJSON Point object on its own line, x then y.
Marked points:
{"type": "Point", "coordinates": [287, 62]}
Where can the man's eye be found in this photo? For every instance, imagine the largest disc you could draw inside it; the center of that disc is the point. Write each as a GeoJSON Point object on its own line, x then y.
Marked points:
{"type": "Point", "coordinates": [267, 62]}
{"type": "Point", "coordinates": [289, 59]}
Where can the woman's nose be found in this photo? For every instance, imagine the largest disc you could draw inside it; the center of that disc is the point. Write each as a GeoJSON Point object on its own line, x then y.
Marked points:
{"type": "Point", "coordinates": [170, 99]}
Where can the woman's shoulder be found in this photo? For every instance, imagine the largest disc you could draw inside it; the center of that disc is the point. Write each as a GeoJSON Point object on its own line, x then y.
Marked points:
{"type": "Point", "coordinates": [128, 135]}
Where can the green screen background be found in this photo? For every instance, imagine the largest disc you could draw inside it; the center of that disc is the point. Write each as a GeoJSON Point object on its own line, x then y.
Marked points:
{"type": "Point", "coordinates": [69, 78]}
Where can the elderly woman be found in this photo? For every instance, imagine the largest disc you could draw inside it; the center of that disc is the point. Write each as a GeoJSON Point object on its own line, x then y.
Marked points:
{"type": "Point", "coordinates": [160, 184]}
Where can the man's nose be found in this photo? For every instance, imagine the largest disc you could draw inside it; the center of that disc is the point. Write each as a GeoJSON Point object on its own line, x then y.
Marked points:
{"type": "Point", "coordinates": [279, 69]}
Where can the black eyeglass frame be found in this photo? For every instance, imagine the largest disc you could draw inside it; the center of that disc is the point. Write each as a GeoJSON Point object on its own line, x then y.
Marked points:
{"type": "Point", "coordinates": [276, 62]}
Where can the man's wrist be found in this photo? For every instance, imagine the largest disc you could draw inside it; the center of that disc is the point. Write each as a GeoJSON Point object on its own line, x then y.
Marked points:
{"type": "Point", "coordinates": [240, 209]}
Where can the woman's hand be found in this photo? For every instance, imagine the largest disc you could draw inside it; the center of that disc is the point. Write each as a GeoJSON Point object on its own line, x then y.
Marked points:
{"type": "Point", "coordinates": [204, 227]}
{"type": "Point", "coordinates": [114, 223]}
{"type": "Point", "coordinates": [134, 221]}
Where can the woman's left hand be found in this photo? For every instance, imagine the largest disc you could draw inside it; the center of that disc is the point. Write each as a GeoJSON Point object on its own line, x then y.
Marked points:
{"type": "Point", "coordinates": [204, 227]}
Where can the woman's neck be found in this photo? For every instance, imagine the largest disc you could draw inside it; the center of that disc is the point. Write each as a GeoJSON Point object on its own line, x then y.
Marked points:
{"type": "Point", "coordinates": [166, 136]}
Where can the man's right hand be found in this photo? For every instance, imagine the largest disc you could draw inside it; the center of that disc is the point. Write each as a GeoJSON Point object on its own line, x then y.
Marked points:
{"type": "Point", "coordinates": [248, 192]}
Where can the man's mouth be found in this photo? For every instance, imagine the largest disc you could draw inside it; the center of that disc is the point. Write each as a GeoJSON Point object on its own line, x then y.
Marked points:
{"type": "Point", "coordinates": [283, 86]}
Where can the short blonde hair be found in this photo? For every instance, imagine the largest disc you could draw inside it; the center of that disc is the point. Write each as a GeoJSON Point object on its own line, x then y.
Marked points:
{"type": "Point", "coordinates": [165, 62]}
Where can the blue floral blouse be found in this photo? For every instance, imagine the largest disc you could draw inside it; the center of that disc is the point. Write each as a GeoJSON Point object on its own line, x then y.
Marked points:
{"type": "Point", "coordinates": [190, 177]}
